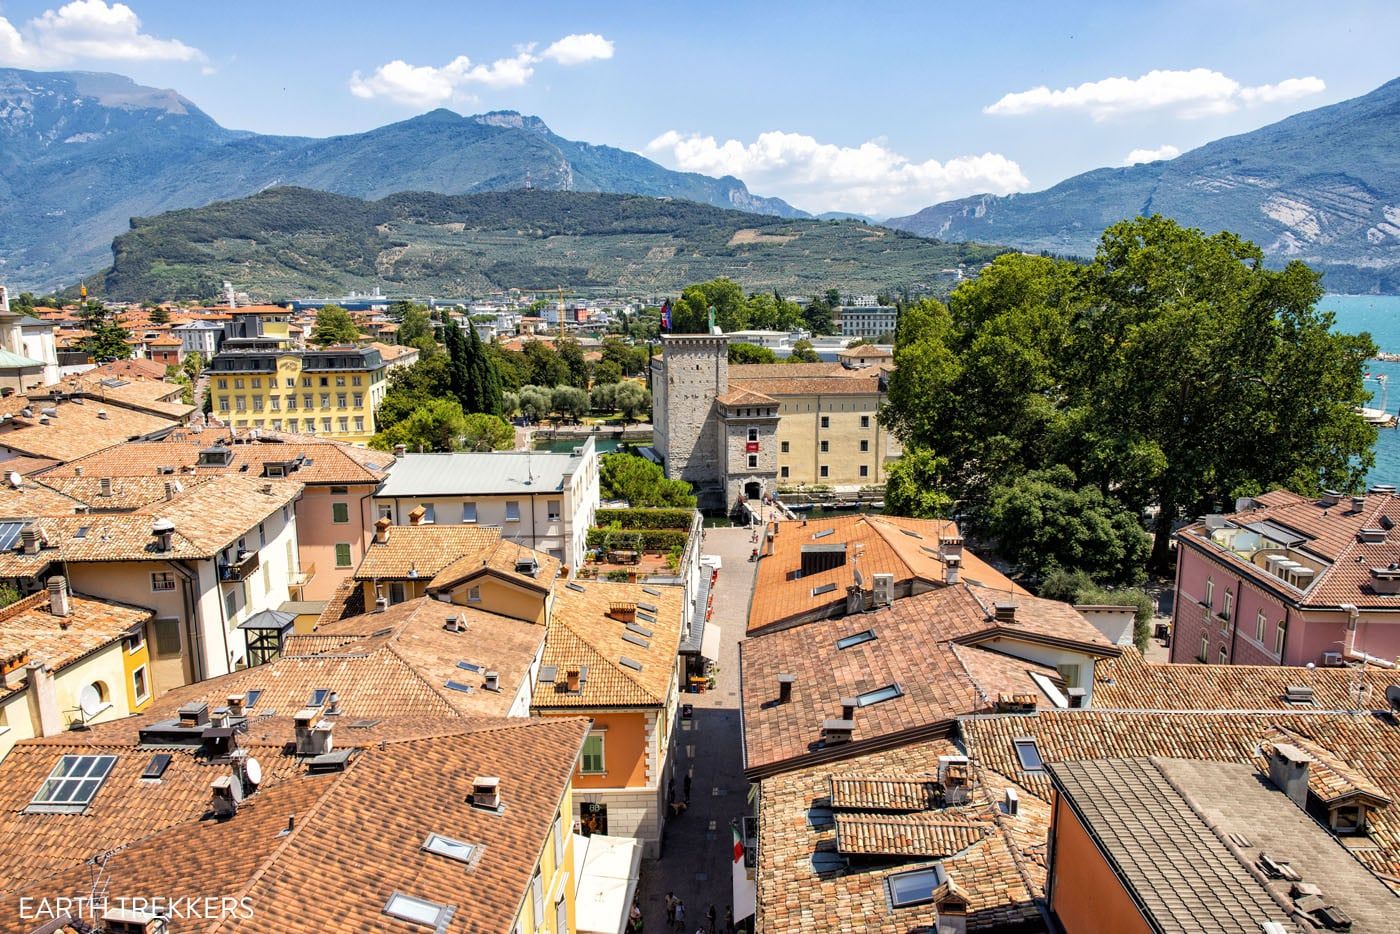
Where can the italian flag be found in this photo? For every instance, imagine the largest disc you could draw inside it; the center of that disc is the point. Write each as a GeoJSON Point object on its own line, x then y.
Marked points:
{"type": "Point", "coordinates": [744, 892]}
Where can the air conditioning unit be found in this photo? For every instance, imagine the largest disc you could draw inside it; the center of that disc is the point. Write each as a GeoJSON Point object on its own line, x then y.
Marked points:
{"type": "Point", "coordinates": [1332, 660]}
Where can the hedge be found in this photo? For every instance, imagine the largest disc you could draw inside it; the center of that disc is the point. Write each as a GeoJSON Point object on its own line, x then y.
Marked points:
{"type": "Point", "coordinates": [659, 541]}
{"type": "Point", "coordinates": [646, 518]}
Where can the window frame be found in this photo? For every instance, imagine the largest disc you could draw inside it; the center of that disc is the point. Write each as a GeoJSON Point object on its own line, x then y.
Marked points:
{"type": "Point", "coordinates": [584, 754]}
{"type": "Point", "coordinates": [1020, 745]}
{"type": "Point", "coordinates": [340, 513]}
{"type": "Point", "coordinates": [170, 575]}
{"type": "Point", "coordinates": [144, 673]}
{"type": "Point", "coordinates": [349, 557]}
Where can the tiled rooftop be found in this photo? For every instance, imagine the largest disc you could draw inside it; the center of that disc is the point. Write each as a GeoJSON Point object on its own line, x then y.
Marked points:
{"type": "Point", "coordinates": [322, 460]}
{"type": "Point", "coordinates": [420, 552]}
{"type": "Point", "coordinates": [80, 428]}
{"type": "Point", "coordinates": [28, 628]}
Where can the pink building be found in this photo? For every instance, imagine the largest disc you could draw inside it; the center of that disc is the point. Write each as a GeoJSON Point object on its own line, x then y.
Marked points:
{"type": "Point", "coordinates": [1290, 580]}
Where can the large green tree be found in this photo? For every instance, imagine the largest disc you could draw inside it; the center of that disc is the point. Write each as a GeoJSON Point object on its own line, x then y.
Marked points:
{"type": "Point", "coordinates": [484, 432]}
{"type": "Point", "coordinates": [333, 326]}
{"type": "Point", "coordinates": [690, 312]}
{"type": "Point", "coordinates": [740, 352]}
{"type": "Point", "coordinates": [640, 482]}
{"type": "Point", "coordinates": [804, 352]}
{"type": "Point", "coordinates": [436, 426]}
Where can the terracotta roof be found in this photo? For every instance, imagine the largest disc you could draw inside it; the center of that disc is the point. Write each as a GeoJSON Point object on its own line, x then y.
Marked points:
{"type": "Point", "coordinates": [25, 465]}
{"type": "Point", "coordinates": [323, 461]}
{"type": "Point", "coordinates": [748, 371]}
{"type": "Point", "coordinates": [123, 493]}
{"type": "Point", "coordinates": [865, 849]}
{"type": "Point", "coordinates": [27, 627]}
{"type": "Point", "coordinates": [738, 395]}
{"type": "Point", "coordinates": [865, 352]}
{"type": "Point", "coordinates": [420, 552]}
{"type": "Point", "coordinates": [34, 498]}
{"type": "Point", "coordinates": [139, 393]}
{"type": "Point", "coordinates": [78, 430]}
{"type": "Point", "coordinates": [866, 384]}
{"type": "Point", "coordinates": [582, 633]}
{"type": "Point", "coordinates": [1329, 778]}
{"type": "Point", "coordinates": [907, 548]}
{"type": "Point", "coordinates": [391, 352]}
{"type": "Point", "coordinates": [500, 560]}
{"type": "Point", "coordinates": [913, 649]}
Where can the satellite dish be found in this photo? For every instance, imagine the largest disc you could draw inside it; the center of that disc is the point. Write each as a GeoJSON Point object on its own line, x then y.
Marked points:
{"type": "Point", "coordinates": [253, 769]}
{"type": "Point", "coordinates": [15, 479]}
{"type": "Point", "coordinates": [90, 701]}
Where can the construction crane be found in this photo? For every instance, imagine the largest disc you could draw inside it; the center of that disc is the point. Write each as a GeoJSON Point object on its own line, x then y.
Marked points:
{"type": "Point", "coordinates": [563, 323]}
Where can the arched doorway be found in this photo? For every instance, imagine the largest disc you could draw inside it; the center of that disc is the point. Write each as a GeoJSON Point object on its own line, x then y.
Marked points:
{"type": "Point", "coordinates": [753, 490]}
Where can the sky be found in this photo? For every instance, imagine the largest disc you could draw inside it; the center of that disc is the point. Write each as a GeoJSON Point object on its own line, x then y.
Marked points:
{"type": "Point", "coordinates": [877, 108]}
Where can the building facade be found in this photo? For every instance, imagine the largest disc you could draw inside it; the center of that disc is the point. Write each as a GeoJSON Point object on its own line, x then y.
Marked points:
{"type": "Point", "coordinates": [332, 392]}
{"type": "Point", "coordinates": [868, 319]}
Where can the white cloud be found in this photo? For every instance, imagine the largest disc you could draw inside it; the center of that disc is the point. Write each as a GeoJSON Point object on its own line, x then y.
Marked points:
{"type": "Point", "coordinates": [1167, 151]}
{"type": "Point", "coordinates": [1198, 92]}
{"type": "Point", "coordinates": [577, 49]}
{"type": "Point", "coordinates": [87, 30]}
{"type": "Point", "coordinates": [431, 86]}
{"type": "Point", "coordinates": [866, 179]}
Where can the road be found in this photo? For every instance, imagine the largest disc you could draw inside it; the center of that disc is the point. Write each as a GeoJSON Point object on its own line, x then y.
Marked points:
{"type": "Point", "coordinates": [695, 860]}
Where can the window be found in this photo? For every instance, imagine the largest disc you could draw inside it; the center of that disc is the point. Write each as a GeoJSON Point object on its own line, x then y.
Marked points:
{"type": "Point", "coordinates": [359, 423]}
{"type": "Point", "coordinates": [238, 384]}
{"type": "Point", "coordinates": [308, 401]}
{"type": "Point", "coordinates": [340, 400]}
{"type": "Point", "coordinates": [512, 511]}
{"type": "Point", "coordinates": [865, 447]}
{"type": "Point", "coordinates": [342, 554]}
{"type": "Point", "coordinates": [558, 833]}
{"type": "Point", "coordinates": [1227, 603]}
{"type": "Point", "coordinates": [826, 421]}
{"type": "Point", "coordinates": [879, 695]}
{"type": "Point", "coordinates": [355, 381]}
{"type": "Point", "coordinates": [165, 633]}
{"type": "Point", "coordinates": [223, 405]}
{"type": "Point", "coordinates": [223, 384]}
{"type": "Point", "coordinates": [340, 491]}
{"type": "Point", "coordinates": [1279, 638]}
{"type": "Point", "coordinates": [906, 889]}
{"type": "Point", "coordinates": [591, 761]}
{"type": "Point", "coordinates": [326, 425]}
{"type": "Point", "coordinates": [753, 461]}
{"type": "Point", "coordinates": [865, 635]}
{"type": "Point", "coordinates": [262, 535]}
{"type": "Point", "coordinates": [1224, 656]}
{"type": "Point", "coordinates": [824, 471]}
{"type": "Point", "coordinates": [429, 513]}
{"type": "Point", "coordinates": [865, 470]}
{"type": "Point", "coordinates": [865, 421]}
{"type": "Point", "coordinates": [784, 447]}
{"type": "Point", "coordinates": [231, 603]}
{"type": "Point", "coordinates": [537, 899]}
{"type": "Point", "coordinates": [783, 472]}
{"type": "Point", "coordinates": [72, 784]}
{"type": "Point", "coordinates": [1070, 675]}
{"type": "Point", "coordinates": [276, 403]}
{"type": "Point", "coordinates": [139, 689]}
{"type": "Point", "coordinates": [452, 849]}
{"type": "Point", "coordinates": [1209, 598]}
{"type": "Point", "coordinates": [340, 382]}
{"type": "Point", "coordinates": [135, 642]}
{"type": "Point", "coordinates": [1205, 649]}
{"type": "Point", "coordinates": [469, 512]}
{"type": "Point", "coordinates": [257, 382]}
{"type": "Point", "coordinates": [417, 910]}
{"type": "Point", "coordinates": [325, 400]}
{"type": "Point", "coordinates": [555, 507]}
{"type": "Point", "coordinates": [359, 400]}
{"type": "Point", "coordinates": [290, 383]}
{"type": "Point", "coordinates": [1028, 754]}
{"type": "Point", "coordinates": [291, 402]}
{"type": "Point", "coordinates": [474, 595]}
{"type": "Point", "coordinates": [386, 511]}
{"type": "Point", "coordinates": [753, 434]}
{"type": "Point", "coordinates": [325, 381]}
{"type": "Point", "coordinates": [162, 581]}
{"type": "Point", "coordinates": [826, 447]}
{"type": "Point", "coordinates": [344, 423]}
{"type": "Point", "coordinates": [340, 512]}
{"type": "Point", "coordinates": [1259, 627]}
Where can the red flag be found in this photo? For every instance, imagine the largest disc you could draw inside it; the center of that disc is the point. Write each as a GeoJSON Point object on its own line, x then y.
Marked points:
{"type": "Point", "coordinates": [666, 315]}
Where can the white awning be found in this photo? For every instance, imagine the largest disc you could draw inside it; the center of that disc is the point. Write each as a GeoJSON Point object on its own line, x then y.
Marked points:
{"type": "Point", "coordinates": [709, 643]}
{"type": "Point", "coordinates": [606, 869]}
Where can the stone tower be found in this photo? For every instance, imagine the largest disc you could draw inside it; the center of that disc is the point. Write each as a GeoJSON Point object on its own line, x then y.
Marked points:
{"type": "Point", "coordinates": [693, 370]}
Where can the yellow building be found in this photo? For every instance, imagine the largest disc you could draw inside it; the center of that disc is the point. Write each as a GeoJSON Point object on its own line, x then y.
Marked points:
{"type": "Point", "coordinates": [68, 661]}
{"type": "Point", "coordinates": [332, 392]}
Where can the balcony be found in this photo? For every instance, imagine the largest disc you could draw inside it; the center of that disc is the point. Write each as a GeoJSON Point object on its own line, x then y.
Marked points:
{"type": "Point", "coordinates": [304, 576]}
{"type": "Point", "coordinates": [240, 570]}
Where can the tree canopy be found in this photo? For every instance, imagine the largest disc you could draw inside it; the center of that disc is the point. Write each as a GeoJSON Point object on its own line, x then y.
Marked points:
{"type": "Point", "coordinates": [333, 326]}
{"type": "Point", "coordinates": [438, 425]}
{"type": "Point", "coordinates": [640, 482]}
{"type": "Point", "coordinates": [804, 352]}
{"type": "Point", "coordinates": [484, 432]}
{"type": "Point", "coordinates": [740, 352]}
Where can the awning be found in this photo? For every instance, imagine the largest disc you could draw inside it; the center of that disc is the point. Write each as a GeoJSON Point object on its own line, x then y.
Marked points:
{"type": "Point", "coordinates": [709, 647]}
{"type": "Point", "coordinates": [274, 620]}
{"type": "Point", "coordinates": [606, 869]}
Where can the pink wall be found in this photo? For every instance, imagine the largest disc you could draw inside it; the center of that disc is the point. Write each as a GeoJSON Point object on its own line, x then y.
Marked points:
{"type": "Point", "coordinates": [319, 534]}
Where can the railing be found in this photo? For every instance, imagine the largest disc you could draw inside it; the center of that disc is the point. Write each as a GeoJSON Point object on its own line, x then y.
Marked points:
{"type": "Point", "coordinates": [239, 570]}
{"type": "Point", "coordinates": [303, 577]}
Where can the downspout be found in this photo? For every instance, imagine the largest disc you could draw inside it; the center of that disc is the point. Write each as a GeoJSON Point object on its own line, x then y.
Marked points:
{"type": "Point", "coordinates": [198, 667]}
{"type": "Point", "coordinates": [223, 619]}
{"type": "Point", "coordinates": [1235, 617]}
{"type": "Point", "coordinates": [1349, 649]}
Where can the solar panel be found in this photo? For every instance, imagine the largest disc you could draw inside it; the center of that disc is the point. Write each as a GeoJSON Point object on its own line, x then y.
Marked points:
{"type": "Point", "coordinates": [468, 666]}
{"type": "Point", "coordinates": [157, 766]}
{"type": "Point", "coordinates": [9, 534]}
{"type": "Point", "coordinates": [639, 630]}
{"type": "Point", "coordinates": [635, 640]}
{"type": "Point", "coordinates": [646, 606]}
{"type": "Point", "coordinates": [630, 663]}
{"type": "Point", "coordinates": [651, 590]}
{"type": "Point", "coordinates": [459, 686]}
{"type": "Point", "coordinates": [824, 533]}
{"type": "Point", "coordinates": [72, 784]}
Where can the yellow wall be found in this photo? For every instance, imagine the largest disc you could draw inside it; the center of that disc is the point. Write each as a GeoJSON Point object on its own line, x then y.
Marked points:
{"type": "Point", "coordinates": [131, 662]}
{"type": "Point", "coordinates": [799, 427]}
{"type": "Point", "coordinates": [265, 400]}
{"type": "Point", "coordinates": [555, 877]}
{"type": "Point", "coordinates": [411, 589]}
{"type": "Point", "coordinates": [107, 667]}
{"type": "Point", "coordinates": [502, 598]}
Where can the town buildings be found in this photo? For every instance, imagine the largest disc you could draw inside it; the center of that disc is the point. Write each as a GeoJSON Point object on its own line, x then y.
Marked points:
{"type": "Point", "coordinates": [541, 500]}
{"type": "Point", "coordinates": [747, 431]}
{"type": "Point", "coordinates": [1291, 580]}
{"type": "Point", "coordinates": [866, 318]}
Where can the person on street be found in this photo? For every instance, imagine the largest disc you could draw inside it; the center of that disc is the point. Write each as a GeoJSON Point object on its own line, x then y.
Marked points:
{"type": "Point", "coordinates": [686, 786]}
{"type": "Point", "coordinates": [710, 919]}
{"type": "Point", "coordinates": [670, 909]}
{"type": "Point", "coordinates": [680, 915]}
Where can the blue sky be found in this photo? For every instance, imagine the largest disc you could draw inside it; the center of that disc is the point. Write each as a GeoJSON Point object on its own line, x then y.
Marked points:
{"type": "Point", "coordinates": [875, 107]}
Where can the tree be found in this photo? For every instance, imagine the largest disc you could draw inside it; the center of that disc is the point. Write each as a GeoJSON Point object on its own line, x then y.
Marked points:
{"type": "Point", "coordinates": [804, 352]}
{"type": "Point", "coordinates": [641, 483]}
{"type": "Point", "coordinates": [483, 432]}
{"type": "Point", "coordinates": [333, 326]}
{"type": "Point", "coordinates": [816, 317]}
{"type": "Point", "coordinates": [160, 315]}
{"type": "Point", "coordinates": [570, 402]}
{"type": "Point", "coordinates": [632, 399]}
{"type": "Point", "coordinates": [193, 364]}
{"type": "Point", "coordinates": [411, 388]}
{"type": "Point", "coordinates": [1042, 522]}
{"type": "Point", "coordinates": [571, 355]}
{"type": "Point", "coordinates": [436, 426]}
{"type": "Point", "coordinates": [741, 352]}
{"type": "Point", "coordinates": [1077, 587]}
{"type": "Point", "coordinates": [543, 366]}
{"type": "Point", "coordinates": [174, 374]}
{"type": "Point", "coordinates": [536, 402]}
{"type": "Point", "coordinates": [108, 342]}
{"type": "Point", "coordinates": [484, 379]}
{"type": "Point", "coordinates": [603, 397]}
{"type": "Point", "coordinates": [606, 372]}
{"type": "Point", "coordinates": [915, 486]}
{"type": "Point", "coordinates": [630, 359]}
{"type": "Point", "coordinates": [415, 329]}
{"type": "Point", "coordinates": [690, 313]}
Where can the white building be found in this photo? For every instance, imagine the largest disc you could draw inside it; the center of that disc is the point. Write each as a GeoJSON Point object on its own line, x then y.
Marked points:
{"type": "Point", "coordinates": [867, 319]}
{"type": "Point", "coordinates": [200, 337]}
{"type": "Point", "coordinates": [541, 500]}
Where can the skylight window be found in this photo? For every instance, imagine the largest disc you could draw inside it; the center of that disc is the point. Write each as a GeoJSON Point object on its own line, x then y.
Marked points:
{"type": "Point", "coordinates": [823, 533]}
{"type": "Point", "coordinates": [906, 889]}
{"type": "Point", "coordinates": [865, 635]}
{"type": "Point", "coordinates": [468, 666]}
{"type": "Point", "coordinates": [318, 697]}
{"type": "Point", "coordinates": [251, 700]}
{"type": "Point", "coordinates": [417, 910]}
{"type": "Point", "coordinates": [646, 606]}
{"type": "Point", "coordinates": [575, 587]}
{"type": "Point", "coordinates": [630, 663]}
{"type": "Point", "coordinates": [879, 695]}
{"type": "Point", "coordinates": [824, 588]}
{"type": "Point", "coordinates": [651, 590]}
{"type": "Point", "coordinates": [157, 766]}
{"type": "Point", "coordinates": [1028, 754]}
{"type": "Point", "coordinates": [635, 640]}
{"type": "Point", "coordinates": [459, 686]}
{"type": "Point", "coordinates": [452, 849]}
{"type": "Point", "coordinates": [72, 784]}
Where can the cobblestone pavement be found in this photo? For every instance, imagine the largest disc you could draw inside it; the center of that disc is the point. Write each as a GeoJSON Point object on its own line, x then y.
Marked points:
{"type": "Point", "coordinates": [696, 855]}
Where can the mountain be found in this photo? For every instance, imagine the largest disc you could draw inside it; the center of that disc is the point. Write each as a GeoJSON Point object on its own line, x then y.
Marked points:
{"type": "Point", "coordinates": [81, 153]}
{"type": "Point", "coordinates": [1321, 186]}
{"type": "Point", "coordinates": [289, 242]}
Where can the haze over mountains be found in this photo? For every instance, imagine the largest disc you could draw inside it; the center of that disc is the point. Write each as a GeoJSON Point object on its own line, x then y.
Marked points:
{"type": "Point", "coordinates": [82, 153]}
{"type": "Point", "coordinates": [1322, 186]}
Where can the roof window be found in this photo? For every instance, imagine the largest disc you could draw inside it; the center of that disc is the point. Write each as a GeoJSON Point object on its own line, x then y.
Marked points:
{"type": "Point", "coordinates": [879, 695]}
{"type": "Point", "coordinates": [72, 785]}
{"type": "Point", "coordinates": [906, 889]}
{"type": "Point", "coordinates": [418, 910]}
{"type": "Point", "coordinates": [157, 766]}
{"type": "Point", "coordinates": [1028, 754]}
{"type": "Point", "coordinates": [865, 635]}
{"type": "Point", "coordinates": [452, 849]}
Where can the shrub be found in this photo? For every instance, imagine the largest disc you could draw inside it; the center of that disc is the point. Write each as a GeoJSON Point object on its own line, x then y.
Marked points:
{"type": "Point", "coordinates": [645, 518]}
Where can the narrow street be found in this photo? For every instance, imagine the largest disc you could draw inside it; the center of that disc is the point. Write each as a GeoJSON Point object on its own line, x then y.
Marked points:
{"type": "Point", "coordinates": [697, 848]}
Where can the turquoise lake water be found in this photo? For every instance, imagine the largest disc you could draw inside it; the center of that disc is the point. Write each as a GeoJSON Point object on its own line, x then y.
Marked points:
{"type": "Point", "coordinates": [1380, 315]}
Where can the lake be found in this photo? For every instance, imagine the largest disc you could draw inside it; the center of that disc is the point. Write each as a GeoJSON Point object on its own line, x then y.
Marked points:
{"type": "Point", "coordinates": [1380, 315]}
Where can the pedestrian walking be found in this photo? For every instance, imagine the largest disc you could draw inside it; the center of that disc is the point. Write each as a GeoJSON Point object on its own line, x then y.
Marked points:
{"type": "Point", "coordinates": [710, 919]}
{"type": "Point", "coordinates": [680, 915]}
{"type": "Point", "coordinates": [670, 789]}
{"type": "Point", "coordinates": [728, 919]}
{"type": "Point", "coordinates": [670, 909]}
{"type": "Point", "coordinates": [686, 785]}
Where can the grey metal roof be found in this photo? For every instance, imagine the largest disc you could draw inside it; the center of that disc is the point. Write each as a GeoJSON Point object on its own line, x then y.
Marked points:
{"type": "Point", "coordinates": [268, 619]}
{"type": "Point", "coordinates": [474, 473]}
{"type": "Point", "coordinates": [694, 636]}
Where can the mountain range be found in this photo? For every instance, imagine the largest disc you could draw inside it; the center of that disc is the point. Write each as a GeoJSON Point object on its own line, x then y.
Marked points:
{"type": "Point", "coordinates": [82, 153]}
{"type": "Point", "coordinates": [1321, 186]}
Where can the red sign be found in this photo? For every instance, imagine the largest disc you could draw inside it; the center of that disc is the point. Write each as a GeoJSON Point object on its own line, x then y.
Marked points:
{"type": "Point", "coordinates": [751, 447]}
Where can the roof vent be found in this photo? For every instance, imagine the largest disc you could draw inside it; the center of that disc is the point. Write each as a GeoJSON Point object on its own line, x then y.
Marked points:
{"type": "Point", "coordinates": [1298, 694]}
{"type": "Point", "coordinates": [1358, 503]}
{"type": "Point", "coordinates": [226, 795]}
{"type": "Point", "coordinates": [1371, 536]}
{"type": "Point", "coordinates": [785, 683]}
{"type": "Point", "coordinates": [623, 612]}
{"type": "Point", "coordinates": [1005, 613]}
{"type": "Point", "coordinates": [493, 681]}
{"type": "Point", "coordinates": [1330, 498]}
{"type": "Point", "coordinates": [193, 714]}
{"type": "Point", "coordinates": [164, 532]}
{"type": "Point", "coordinates": [1012, 802]}
{"type": "Point", "coordinates": [837, 732]}
{"type": "Point", "coordinates": [102, 414]}
{"type": "Point", "coordinates": [486, 793]}
{"type": "Point", "coordinates": [454, 624]}
{"type": "Point", "coordinates": [237, 705]}
{"type": "Point", "coordinates": [104, 486]}
{"type": "Point", "coordinates": [527, 565]}
{"type": "Point", "coordinates": [1385, 580]}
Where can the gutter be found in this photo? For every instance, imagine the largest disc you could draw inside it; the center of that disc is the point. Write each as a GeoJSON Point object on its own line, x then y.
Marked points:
{"type": "Point", "coordinates": [197, 657]}
{"type": "Point", "coordinates": [1349, 649]}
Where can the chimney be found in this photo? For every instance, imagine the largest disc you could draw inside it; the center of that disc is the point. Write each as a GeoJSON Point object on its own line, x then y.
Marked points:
{"type": "Point", "coordinates": [848, 708]}
{"type": "Point", "coordinates": [400, 450]}
{"type": "Point", "coordinates": [453, 624]}
{"type": "Point", "coordinates": [43, 699]}
{"type": "Point", "coordinates": [951, 545]}
{"type": "Point", "coordinates": [58, 598]}
{"type": "Point", "coordinates": [1005, 613]}
{"type": "Point", "coordinates": [381, 530]}
{"type": "Point", "coordinates": [78, 470]}
{"type": "Point", "coordinates": [572, 678]}
{"type": "Point", "coordinates": [855, 600]}
{"type": "Point", "coordinates": [1358, 503]}
{"type": "Point", "coordinates": [102, 414]}
{"type": "Point", "coordinates": [952, 568]}
{"type": "Point", "coordinates": [164, 532]}
{"type": "Point", "coordinates": [416, 516]}
{"type": "Point", "coordinates": [1288, 769]}
{"type": "Point", "coordinates": [950, 904]}
{"type": "Point", "coordinates": [225, 794]}
{"type": "Point", "coordinates": [381, 603]}
{"type": "Point", "coordinates": [237, 705]}
{"type": "Point", "coordinates": [333, 705]}
{"type": "Point", "coordinates": [104, 486]}
{"type": "Point", "coordinates": [313, 737]}
{"type": "Point", "coordinates": [1330, 498]}
{"type": "Point", "coordinates": [785, 688]}
{"type": "Point", "coordinates": [194, 714]}
{"type": "Point", "coordinates": [218, 719]}
{"type": "Point", "coordinates": [493, 681]}
{"type": "Point", "coordinates": [29, 541]}
{"type": "Point", "coordinates": [169, 490]}
{"type": "Point", "coordinates": [623, 612]}
{"type": "Point", "coordinates": [837, 732]}
{"type": "Point", "coordinates": [486, 792]}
